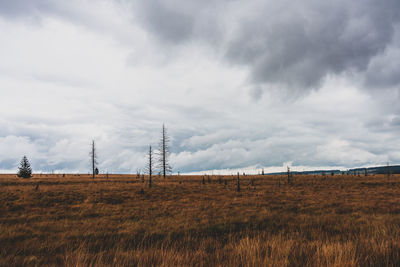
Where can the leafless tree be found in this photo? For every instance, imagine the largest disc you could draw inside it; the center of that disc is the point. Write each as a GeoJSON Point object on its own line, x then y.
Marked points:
{"type": "Point", "coordinates": [149, 167]}
{"type": "Point", "coordinates": [289, 175]}
{"type": "Point", "coordinates": [388, 172]}
{"type": "Point", "coordinates": [238, 183]}
{"type": "Point", "coordinates": [93, 157]}
{"type": "Point", "coordinates": [163, 153]}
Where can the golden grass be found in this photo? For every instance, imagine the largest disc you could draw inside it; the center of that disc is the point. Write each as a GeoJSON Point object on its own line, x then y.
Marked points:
{"type": "Point", "coordinates": [315, 221]}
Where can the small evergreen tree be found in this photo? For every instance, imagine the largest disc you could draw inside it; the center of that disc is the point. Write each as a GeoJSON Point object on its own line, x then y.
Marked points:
{"type": "Point", "coordinates": [24, 170]}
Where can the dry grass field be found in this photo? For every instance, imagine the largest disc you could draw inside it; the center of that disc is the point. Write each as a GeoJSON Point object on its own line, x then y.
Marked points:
{"type": "Point", "coordinates": [315, 221]}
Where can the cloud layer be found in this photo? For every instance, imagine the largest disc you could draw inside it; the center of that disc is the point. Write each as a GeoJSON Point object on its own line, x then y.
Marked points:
{"type": "Point", "coordinates": [238, 83]}
{"type": "Point", "coordinates": [284, 44]}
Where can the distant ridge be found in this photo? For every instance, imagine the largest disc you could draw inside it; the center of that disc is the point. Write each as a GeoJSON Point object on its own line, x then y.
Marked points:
{"type": "Point", "coordinates": [393, 169]}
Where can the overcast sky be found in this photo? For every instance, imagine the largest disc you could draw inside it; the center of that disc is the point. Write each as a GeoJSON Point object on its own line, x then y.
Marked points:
{"type": "Point", "coordinates": [240, 85]}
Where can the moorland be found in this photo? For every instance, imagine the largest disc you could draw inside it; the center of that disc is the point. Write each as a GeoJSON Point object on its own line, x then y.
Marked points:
{"type": "Point", "coordinates": [72, 220]}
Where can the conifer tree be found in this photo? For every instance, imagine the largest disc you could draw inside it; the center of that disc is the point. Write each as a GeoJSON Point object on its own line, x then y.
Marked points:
{"type": "Point", "coordinates": [24, 170]}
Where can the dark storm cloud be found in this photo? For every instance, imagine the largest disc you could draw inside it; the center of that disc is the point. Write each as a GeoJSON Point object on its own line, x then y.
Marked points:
{"type": "Point", "coordinates": [383, 70]}
{"type": "Point", "coordinates": [286, 44]}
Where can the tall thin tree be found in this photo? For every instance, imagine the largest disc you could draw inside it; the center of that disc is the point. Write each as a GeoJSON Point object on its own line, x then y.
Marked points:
{"type": "Point", "coordinates": [163, 153]}
{"type": "Point", "coordinates": [150, 163]}
{"type": "Point", "coordinates": [238, 183]}
{"type": "Point", "coordinates": [93, 157]}
{"type": "Point", "coordinates": [289, 175]}
{"type": "Point", "coordinates": [388, 172]}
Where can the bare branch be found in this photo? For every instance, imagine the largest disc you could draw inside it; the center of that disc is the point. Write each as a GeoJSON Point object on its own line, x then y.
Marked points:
{"type": "Point", "coordinates": [93, 157]}
{"type": "Point", "coordinates": [163, 153]}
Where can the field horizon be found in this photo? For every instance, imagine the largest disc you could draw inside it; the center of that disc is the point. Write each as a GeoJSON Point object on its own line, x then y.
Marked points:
{"type": "Point", "coordinates": [340, 220]}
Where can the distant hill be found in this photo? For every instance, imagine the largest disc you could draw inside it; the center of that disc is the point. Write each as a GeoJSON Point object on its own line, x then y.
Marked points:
{"type": "Point", "coordinates": [316, 172]}
{"type": "Point", "coordinates": [395, 169]}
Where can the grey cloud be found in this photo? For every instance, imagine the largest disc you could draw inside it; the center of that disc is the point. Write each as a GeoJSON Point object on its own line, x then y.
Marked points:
{"type": "Point", "coordinates": [18, 8]}
{"type": "Point", "coordinates": [384, 69]}
{"type": "Point", "coordinates": [395, 121]}
{"type": "Point", "coordinates": [170, 23]}
{"type": "Point", "coordinates": [256, 93]}
{"type": "Point", "coordinates": [285, 44]}
{"type": "Point", "coordinates": [177, 21]}
{"type": "Point", "coordinates": [98, 16]}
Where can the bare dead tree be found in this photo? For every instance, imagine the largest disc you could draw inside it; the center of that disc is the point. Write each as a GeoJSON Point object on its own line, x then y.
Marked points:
{"type": "Point", "coordinates": [149, 167]}
{"type": "Point", "coordinates": [238, 183]}
{"type": "Point", "coordinates": [93, 157]}
{"type": "Point", "coordinates": [289, 175]}
{"type": "Point", "coordinates": [388, 172]}
{"type": "Point", "coordinates": [163, 153]}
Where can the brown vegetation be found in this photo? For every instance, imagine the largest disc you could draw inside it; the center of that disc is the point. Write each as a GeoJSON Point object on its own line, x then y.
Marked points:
{"type": "Point", "coordinates": [182, 221]}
